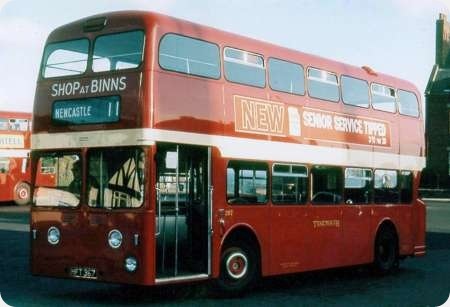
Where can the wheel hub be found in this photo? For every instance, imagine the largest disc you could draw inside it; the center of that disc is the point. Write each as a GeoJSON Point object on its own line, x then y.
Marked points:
{"type": "Point", "coordinates": [23, 193]}
{"type": "Point", "coordinates": [237, 265]}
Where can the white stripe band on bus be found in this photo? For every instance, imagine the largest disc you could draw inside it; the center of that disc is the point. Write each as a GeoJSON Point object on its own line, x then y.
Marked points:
{"type": "Point", "coordinates": [231, 147]}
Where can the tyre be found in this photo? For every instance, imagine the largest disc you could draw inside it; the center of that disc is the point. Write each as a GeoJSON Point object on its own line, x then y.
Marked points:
{"type": "Point", "coordinates": [239, 268]}
{"type": "Point", "coordinates": [22, 194]}
{"type": "Point", "coordinates": [386, 251]}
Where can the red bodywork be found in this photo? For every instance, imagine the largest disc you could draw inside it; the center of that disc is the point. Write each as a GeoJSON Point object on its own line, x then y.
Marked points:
{"type": "Point", "coordinates": [15, 147]}
{"type": "Point", "coordinates": [169, 101]}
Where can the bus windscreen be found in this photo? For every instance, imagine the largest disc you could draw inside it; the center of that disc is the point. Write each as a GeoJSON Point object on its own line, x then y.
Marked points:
{"type": "Point", "coordinates": [115, 178]}
{"type": "Point", "coordinates": [58, 183]}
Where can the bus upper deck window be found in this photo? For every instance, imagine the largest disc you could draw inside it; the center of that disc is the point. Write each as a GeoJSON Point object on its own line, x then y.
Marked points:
{"type": "Point", "coordinates": [286, 77]}
{"type": "Point", "coordinates": [118, 51]}
{"type": "Point", "coordinates": [408, 103]}
{"type": "Point", "coordinates": [355, 91]}
{"type": "Point", "coordinates": [244, 67]}
{"type": "Point", "coordinates": [383, 98]}
{"type": "Point", "coordinates": [65, 58]}
{"type": "Point", "coordinates": [189, 56]}
{"type": "Point", "coordinates": [323, 84]}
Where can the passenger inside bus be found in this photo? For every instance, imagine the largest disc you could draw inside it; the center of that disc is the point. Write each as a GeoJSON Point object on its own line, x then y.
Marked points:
{"type": "Point", "coordinates": [75, 185]}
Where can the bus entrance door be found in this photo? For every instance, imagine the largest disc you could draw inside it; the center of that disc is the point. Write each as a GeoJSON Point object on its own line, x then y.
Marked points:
{"type": "Point", "coordinates": [183, 212]}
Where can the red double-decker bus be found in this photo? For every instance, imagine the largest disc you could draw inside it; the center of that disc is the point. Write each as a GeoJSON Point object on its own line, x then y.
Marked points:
{"type": "Point", "coordinates": [181, 152]}
{"type": "Point", "coordinates": [15, 130]}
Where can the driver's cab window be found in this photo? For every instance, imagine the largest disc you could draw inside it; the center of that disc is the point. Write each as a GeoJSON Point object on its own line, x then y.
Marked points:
{"type": "Point", "coordinates": [327, 182]}
{"type": "Point", "coordinates": [58, 183]}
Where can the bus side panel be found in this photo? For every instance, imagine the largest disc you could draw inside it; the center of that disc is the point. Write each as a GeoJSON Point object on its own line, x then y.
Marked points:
{"type": "Point", "coordinates": [219, 183]}
{"type": "Point", "coordinates": [401, 216]}
{"type": "Point", "coordinates": [410, 224]}
{"type": "Point", "coordinates": [404, 225]}
{"type": "Point", "coordinates": [382, 214]}
{"type": "Point", "coordinates": [252, 217]}
{"type": "Point", "coordinates": [419, 218]}
{"type": "Point", "coordinates": [411, 136]}
{"type": "Point", "coordinates": [188, 104]}
{"type": "Point", "coordinates": [357, 240]}
{"type": "Point", "coordinates": [292, 238]}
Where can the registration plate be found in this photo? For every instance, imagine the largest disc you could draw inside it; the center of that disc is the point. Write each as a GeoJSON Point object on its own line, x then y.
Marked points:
{"type": "Point", "coordinates": [83, 272]}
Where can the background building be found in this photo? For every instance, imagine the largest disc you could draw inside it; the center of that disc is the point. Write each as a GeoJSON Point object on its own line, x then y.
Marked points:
{"type": "Point", "coordinates": [437, 128]}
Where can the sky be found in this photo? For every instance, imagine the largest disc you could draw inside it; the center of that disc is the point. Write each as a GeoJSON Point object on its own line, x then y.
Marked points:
{"type": "Point", "coordinates": [396, 37]}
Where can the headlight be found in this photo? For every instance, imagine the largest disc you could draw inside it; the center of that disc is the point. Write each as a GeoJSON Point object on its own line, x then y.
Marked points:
{"type": "Point", "coordinates": [53, 235]}
{"type": "Point", "coordinates": [130, 264]}
{"type": "Point", "coordinates": [115, 238]}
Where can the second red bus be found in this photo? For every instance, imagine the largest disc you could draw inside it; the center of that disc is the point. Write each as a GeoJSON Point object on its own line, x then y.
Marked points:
{"type": "Point", "coordinates": [15, 131]}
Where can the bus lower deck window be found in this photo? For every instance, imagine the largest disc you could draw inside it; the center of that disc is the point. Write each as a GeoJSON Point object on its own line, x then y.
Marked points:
{"type": "Point", "coordinates": [247, 182]}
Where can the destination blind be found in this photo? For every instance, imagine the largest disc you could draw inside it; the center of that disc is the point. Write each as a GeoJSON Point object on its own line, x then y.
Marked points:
{"type": "Point", "coordinates": [96, 110]}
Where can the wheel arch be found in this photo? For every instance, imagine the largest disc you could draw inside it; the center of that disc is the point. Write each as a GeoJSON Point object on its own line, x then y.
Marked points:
{"type": "Point", "coordinates": [386, 247]}
{"type": "Point", "coordinates": [387, 224]}
{"type": "Point", "coordinates": [246, 233]}
{"type": "Point", "coordinates": [22, 181]}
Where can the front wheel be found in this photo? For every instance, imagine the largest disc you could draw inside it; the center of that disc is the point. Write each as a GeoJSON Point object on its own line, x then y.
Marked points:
{"type": "Point", "coordinates": [386, 251]}
{"type": "Point", "coordinates": [238, 269]}
{"type": "Point", "coordinates": [22, 194]}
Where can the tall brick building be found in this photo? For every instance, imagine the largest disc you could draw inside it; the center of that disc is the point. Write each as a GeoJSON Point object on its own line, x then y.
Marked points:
{"type": "Point", "coordinates": [437, 129]}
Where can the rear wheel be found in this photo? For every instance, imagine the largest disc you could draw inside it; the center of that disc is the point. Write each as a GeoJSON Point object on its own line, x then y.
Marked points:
{"type": "Point", "coordinates": [22, 194]}
{"type": "Point", "coordinates": [386, 251]}
{"type": "Point", "coordinates": [238, 269]}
